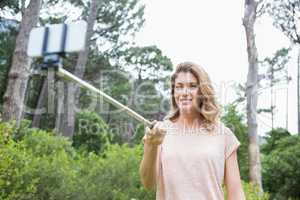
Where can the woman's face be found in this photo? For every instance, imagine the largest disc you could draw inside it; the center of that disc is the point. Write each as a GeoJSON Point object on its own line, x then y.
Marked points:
{"type": "Point", "coordinates": [186, 92]}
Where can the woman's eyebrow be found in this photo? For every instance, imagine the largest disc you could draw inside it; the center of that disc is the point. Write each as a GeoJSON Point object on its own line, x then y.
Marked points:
{"type": "Point", "coordinates": [180, 83]}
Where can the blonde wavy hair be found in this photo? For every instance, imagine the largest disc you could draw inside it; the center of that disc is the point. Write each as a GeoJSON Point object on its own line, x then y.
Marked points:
{"type": "Point", "coordinates": [208, 108]}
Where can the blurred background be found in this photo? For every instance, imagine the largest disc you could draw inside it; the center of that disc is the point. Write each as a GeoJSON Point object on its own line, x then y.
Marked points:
{"type": "Point", "coordinates": [59, 141]}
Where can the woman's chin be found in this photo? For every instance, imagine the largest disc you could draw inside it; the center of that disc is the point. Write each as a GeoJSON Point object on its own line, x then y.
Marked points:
{"type": "Point", "coordinates": [186, 109]}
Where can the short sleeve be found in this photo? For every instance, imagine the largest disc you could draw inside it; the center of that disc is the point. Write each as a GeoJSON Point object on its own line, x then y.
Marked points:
{"type": "Point", "coordinates": [231, 142]}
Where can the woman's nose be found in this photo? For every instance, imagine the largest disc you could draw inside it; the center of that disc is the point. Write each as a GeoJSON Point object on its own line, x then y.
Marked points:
{"type": "Point", "coordinates": [186, 90]}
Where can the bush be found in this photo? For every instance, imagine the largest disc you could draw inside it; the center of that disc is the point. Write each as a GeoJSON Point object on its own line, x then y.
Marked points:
{"type": "Point", "coordinates": [138, 134]}
{"type": "Point", "coordinates": [272, 138]}
{"type": "Point", "coordinates": [37, 167]}
{"type": "Point", "coordinates": [281, 172]}
{"type": "Point", "coordinates": [42, 166]}
{"type": "Point", "coordinates": [251, 192]}
{"type": "Point", "coordinates": [116, 177]}
{"type": "Point", "coordinates": [91, 133]}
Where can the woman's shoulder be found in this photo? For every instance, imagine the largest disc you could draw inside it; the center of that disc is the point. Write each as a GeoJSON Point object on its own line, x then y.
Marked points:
{"type": "Point", "coordinates": [223, 129]}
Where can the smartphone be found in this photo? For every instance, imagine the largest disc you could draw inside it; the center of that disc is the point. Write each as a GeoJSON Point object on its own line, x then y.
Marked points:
{"type": "Point", "coordinates": [57, 38]}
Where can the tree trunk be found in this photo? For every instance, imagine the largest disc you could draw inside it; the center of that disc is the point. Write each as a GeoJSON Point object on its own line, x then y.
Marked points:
{"type": "Point", "coordinates": [40, 104]}
{"type": "Point", "coordinates": [287, 102]}
{"type": "Point", "coordinates": [18, 74]}
{"type": "Point", "coordinates": [67, 122]}
{"type": "Point", "coordinates": [272, 94]}
{"type": "Point", "coordinates": [60, 109]}
{"type": "Point", "coordinates": [251, 93]}
{"type": "Point", "coordinates": [298, 92]}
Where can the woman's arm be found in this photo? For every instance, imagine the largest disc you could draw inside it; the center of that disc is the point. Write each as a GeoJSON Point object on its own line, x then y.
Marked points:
{"type": "Point", "coordinates": [232, 179]}
{"type": "Point", "coordinates": [148, 166]}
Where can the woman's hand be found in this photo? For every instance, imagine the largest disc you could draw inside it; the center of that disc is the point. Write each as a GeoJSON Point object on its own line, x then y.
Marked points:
{"type": "Point", "coordinates": [155, 136]}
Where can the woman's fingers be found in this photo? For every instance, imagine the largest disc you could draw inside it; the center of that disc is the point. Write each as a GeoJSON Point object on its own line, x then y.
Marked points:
{"type": "Point", "coordinates": [159, 128]}
{"type": "Point", "coordinates": [153, 124]}
{"type": "Point", "coordinates": [156, 134]}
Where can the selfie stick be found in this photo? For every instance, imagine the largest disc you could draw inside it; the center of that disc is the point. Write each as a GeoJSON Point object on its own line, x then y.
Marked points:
{"type": "Point", "coordinates": [53, 60]}
{"type": "Point", "coordinates": [83, 84]}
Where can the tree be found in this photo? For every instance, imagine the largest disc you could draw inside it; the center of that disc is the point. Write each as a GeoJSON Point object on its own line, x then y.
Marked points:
{"type": "Point", "coordinates": [275, 74]}
{"type": "Point", "coordinates": [18, 74]}
{"type": "Point", "coordinates": [249, 19]}
{"type": "Point", "coordinates": [7, 44]}
{"type": "Point", "coordinates": [286, 15]}
{"type": "Point", "coordinates": [151, 68]}
{"type": "Point", "coordinates": [67, 118]}
{"type": "Point", "coordinates": [108, 26]}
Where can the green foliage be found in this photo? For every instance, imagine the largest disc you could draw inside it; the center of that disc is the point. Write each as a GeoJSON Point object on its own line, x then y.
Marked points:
{"type": "Point", "coordinates": [119, 18]}
{"type": "Point", "coordinates": [116, 176]}
{"type": "Point", "coordinates": [116, 21]}
{"type": "Point", "coordinates": [281, 173]}
{"type": "Point", "coordinates": [139, 134]}
{"type": "Point", "coordinates": [272, 139]}
{"type": "Point", "coordinates": [147, 61]}
{"type": "Point", "coordinates": [251, 192]}
{"type": "Point", "coordinates": [42, 166]}
{"type": "Point", "coordinates": [91, 132]}
{"type": "Point", "coordinates": [276, 68]}
{"type": "Point", "coordinates": [22, 130]}
{"type": "Point", "coordinates": [13, 6]}
{"type": "Point", "coordinates": [285, 15]}
{"type": "Point", "coordinates": [37, 167]}
{"type": "Point", "coordinates": [233, 120]}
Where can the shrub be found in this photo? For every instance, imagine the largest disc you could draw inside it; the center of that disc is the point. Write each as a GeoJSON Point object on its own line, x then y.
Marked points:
{"type": "Point", "coordinates": [272, 138]}
{"type": "Point", "coordinates": [91, 132]}
{"type": "Point", "coordinates": [281, 172]}
{"type": "Point", "coordinates": [252, 191]}
{"type": "Point", "coordinates": [116, 177]}
{"type": "Point", "coordinates": [37, 167]}
{"type": "Point", "coordinates": [42, 166]}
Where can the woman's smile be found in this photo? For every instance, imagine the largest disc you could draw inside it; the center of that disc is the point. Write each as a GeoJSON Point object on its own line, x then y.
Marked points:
{"type": "Point", "coordinates": [186, 101]}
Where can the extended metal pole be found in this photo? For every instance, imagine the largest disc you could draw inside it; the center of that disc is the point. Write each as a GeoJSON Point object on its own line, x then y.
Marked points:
{"type": "Point", "coordinates": [67, 75]}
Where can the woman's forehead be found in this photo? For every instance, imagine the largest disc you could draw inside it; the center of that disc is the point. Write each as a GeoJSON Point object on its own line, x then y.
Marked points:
{"type": "Point", "coordinates": [185, 77]}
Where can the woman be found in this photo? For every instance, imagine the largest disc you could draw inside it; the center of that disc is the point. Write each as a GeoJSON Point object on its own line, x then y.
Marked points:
{"type": "Point", "coordinates": [190, 153]}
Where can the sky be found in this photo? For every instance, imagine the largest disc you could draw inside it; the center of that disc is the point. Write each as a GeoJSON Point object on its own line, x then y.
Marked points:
{"type": "Point", "coordinates": [211, 34]}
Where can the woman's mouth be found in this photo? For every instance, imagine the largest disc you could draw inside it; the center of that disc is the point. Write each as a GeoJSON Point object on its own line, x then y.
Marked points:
{"type": "Point", "coordinates": [185, 101]}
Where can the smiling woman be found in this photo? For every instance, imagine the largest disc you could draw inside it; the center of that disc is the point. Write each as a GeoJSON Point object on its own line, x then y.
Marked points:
{"type": "Point", "coordinates": [193, 96]}
{"type": "Point", "coordinates": [191, 164]}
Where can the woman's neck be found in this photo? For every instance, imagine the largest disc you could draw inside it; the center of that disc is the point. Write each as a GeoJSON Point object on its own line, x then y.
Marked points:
{"type": "Point", "coordinates": [189, 121]}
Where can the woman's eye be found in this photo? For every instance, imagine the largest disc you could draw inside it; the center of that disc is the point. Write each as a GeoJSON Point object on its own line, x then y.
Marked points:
{"type": "Point", "coordinates": [194, 86]}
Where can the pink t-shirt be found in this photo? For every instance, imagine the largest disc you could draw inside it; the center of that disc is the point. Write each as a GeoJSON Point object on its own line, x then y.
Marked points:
{"type": "Point", "coordinates": [191, 164]}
